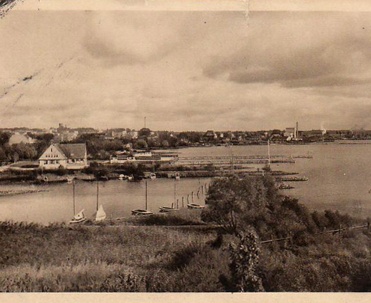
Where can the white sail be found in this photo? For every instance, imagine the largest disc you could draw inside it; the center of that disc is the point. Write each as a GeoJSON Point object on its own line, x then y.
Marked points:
{"type": "Point", "coordinates": [101, 214]}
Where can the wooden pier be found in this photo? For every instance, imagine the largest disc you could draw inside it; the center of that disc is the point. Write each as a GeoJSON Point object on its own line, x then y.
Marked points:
{"type": "Point", "coordinates": [220, 160]}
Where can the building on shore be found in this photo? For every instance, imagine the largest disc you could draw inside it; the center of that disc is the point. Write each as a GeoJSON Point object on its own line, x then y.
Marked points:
{"type": "Point", "coordinates": [143, 157]}
{"type": "Point", "coordinates": [68, 156]}
{"type": "Point", "coordinates": [18, 138]}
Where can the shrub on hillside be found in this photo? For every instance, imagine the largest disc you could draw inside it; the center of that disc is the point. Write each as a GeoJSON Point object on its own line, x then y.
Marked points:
{"type": "Point", "coordinates": [180, 217]}
{"type": "Point", "coordinates": [192, 268]}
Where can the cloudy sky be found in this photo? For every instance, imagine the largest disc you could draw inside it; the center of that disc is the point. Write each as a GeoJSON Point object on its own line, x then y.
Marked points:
{"type": "Point", "coordinates": [221, 70]}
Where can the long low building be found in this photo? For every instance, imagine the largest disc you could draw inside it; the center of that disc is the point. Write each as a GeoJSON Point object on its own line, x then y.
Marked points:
{"type": "Point", "coordinates": [142, 156]}
{"type": "Point", "coordinates": [68, 156]}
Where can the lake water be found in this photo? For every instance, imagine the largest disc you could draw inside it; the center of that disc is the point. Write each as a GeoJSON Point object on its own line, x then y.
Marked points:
{"type": "Point", "coordinates": [339, 179]}
{"type": "Point", "coordinates": [339, 173]}
{"type": "Point", "coordinates": [118, 198]}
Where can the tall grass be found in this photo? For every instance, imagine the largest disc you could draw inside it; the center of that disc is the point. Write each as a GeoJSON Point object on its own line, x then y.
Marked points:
{"type": "Point", "coordinates": [177, 218]}
{"type": "Point", "coordinates": [84, 258]}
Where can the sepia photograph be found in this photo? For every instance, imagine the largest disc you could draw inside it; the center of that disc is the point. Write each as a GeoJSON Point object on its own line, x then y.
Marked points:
{"type": "Point", "coordinates": [185, 147]}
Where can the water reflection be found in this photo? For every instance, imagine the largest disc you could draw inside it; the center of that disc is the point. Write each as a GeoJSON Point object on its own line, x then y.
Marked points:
{"type": "Point", "coordinates": [339, 179]}
{"type": "Point", "coordinates": [118, 198]}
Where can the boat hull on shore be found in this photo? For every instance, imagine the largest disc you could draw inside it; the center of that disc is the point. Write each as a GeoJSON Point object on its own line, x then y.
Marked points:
{"type": "Point", "coordinates": [195, 206]}
{"type": "Point", "coordinates": [141, 212]}
{"type": "Point", "coordinates": [167, 209]}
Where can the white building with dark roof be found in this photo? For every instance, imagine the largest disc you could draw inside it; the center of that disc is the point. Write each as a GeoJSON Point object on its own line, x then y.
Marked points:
{"type": "Point", "coordinates": [69, 156]}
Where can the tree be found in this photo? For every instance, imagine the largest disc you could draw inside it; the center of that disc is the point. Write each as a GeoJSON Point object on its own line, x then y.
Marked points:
{"type": "Point", "coordinates": [173, 141]}
{"type": "Point", "coordinates": [24, 151]}
{"type": "Point", "coordinates": [244, 261]}
{"type": "Point", "coordinates": [144, 132]}
{"type": "Point", "coordinates": [4, 138]}
{"type": "Point", "coordinates": [3, 156]}
{"type": "Point", "coordinates": [235, 203]}
{"type": "Point", "coordinates": [165, 143]}
{"type": "Point", "coordinates": [141, 144]}
{"type": "Point", "coordinates": [15, 157]}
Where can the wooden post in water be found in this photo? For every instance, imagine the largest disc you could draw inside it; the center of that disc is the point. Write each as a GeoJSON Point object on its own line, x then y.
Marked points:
{"type": "Point", "coordinates": [182, 201]}
{"type": "Point", "coordinates": [146, 195]}
{"type": "Point", "coordinates": [175, 193]}
{"type": "Point", "coordinates": [192, 197]}
{"type": "Point", "coordinates": [97, 206]}
{"type": "Point", "coordinates": [73, 194]}
{"type": "Point", "coordinates": [269, 155]}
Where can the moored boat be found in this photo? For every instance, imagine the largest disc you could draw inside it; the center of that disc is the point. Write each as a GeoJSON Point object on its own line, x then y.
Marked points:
{"type": "Point", "coordinates": [195, 206]}
{"type": "Point", "coordinates": [141, 212]}
{"type": "Point", "coordinates": [101, 214]}
{"type": "Point", "coordinates": [134, 178]}
{"type": "Point", "coordinates": [79, 217]}
{"type": "Point", "coordinates": [168, 209]}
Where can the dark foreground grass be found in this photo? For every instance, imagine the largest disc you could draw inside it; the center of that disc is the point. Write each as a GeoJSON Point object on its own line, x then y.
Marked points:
{"type": "Point", "coordinates": [180, 217]}
{"type": "Point", "coordinates": [86, 258]}
{"type": "Point", "coordinates": [125, 258]}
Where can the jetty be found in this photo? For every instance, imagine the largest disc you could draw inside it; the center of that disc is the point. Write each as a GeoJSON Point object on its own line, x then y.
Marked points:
{"type": "Point", "coordinates": [222, 160]}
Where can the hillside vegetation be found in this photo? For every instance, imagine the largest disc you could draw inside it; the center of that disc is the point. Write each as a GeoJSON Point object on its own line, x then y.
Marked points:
{"type": "Point", "coordinates": [249, 238]}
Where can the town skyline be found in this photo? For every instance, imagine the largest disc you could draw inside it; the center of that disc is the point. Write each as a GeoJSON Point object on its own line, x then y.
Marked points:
{"type": "Point", "coordinates": [76, 127]}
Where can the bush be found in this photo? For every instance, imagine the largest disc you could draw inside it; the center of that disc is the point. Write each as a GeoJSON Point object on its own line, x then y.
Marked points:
{"type": "Point", "coordinates": [192, 268]}
{"type": "Point", "coordinates": [178, 218]}
{"type": "Point", "coordinates": [61, 171]}
{"type": "Point", "coordinates": [183, 256]}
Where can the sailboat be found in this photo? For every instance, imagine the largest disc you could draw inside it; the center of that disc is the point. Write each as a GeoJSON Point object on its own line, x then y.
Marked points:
{"type": "Point", "coordinates": [167, 209]}
{"type": "Point", "coordinates": [143, 212]}
{"type": "Point", "coordinates": [100, 215]}
{"type": "Point", "coordinates": [79, 217]}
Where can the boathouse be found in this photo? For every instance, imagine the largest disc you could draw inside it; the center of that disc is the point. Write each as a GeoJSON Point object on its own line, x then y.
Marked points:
{"type": "Point", "coordinates": [69, 156]}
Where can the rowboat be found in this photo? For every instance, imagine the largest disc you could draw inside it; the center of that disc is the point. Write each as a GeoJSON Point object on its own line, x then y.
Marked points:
{"type": "Point", "coordinates": [195, 206]}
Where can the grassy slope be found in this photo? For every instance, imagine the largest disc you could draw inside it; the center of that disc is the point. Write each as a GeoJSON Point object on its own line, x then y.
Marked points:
{"type": "Point", "coordinates": [90, 258]}
{"type": "Point", "coordinates": [155, 258]}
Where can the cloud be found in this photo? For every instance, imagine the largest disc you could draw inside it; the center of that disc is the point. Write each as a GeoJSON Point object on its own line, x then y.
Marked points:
{"type": "Point", "coordinates": [186, 70]}
{"type": "Point", "coordinates": [134, 38]}
{"type": "Point", "coordinates": [299, 50]}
